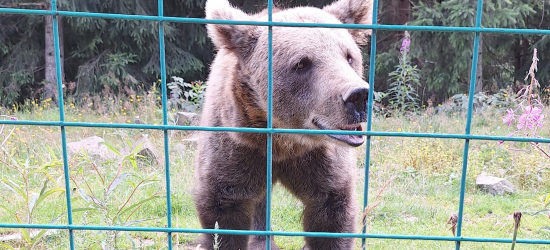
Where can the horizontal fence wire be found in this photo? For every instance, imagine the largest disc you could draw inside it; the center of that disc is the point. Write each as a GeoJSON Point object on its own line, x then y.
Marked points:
{"type": "Point", "coordinates": [269, 130]}
{"type": "Point", "coordinates": [277, 130]}
{"type": "Point", "coordinates": [276, 24]}
{"type": "Point", "coordinates": [275, 233]}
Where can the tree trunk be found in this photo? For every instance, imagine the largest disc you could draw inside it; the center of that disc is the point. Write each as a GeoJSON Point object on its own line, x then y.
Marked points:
{"type": "Point", "coordinates": [517, 57]}
{"type": "Point", "coordinates": [403, 11]}
{"type": "Point", "coordinates": [400, 14]}
{"type": "Point", "coordinates": [479, 71]}
{"type": "Point", "coordinates": [50, 89]}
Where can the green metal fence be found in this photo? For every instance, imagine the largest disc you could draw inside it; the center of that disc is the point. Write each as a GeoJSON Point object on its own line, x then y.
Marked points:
{"type": "Point", "coordinates": [467, 136]}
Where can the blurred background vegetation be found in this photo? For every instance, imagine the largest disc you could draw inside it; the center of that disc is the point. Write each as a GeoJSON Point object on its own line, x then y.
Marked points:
{"type": "Point", "coordinates": [115, 57]}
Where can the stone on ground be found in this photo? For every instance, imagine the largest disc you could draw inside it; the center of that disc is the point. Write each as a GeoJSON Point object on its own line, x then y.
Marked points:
{"type": "Point", "coordinates": [494, 185]}
{"type": "Point", "coordinates": [148, 149]}
{"type": "Point", "coordinates": [187, 119]}
{"type": "Point", "coordinates": [92, 146]}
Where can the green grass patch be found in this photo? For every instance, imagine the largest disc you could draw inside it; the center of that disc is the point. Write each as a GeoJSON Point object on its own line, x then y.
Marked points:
{"type": "Point", "coordinates": [423, 194]}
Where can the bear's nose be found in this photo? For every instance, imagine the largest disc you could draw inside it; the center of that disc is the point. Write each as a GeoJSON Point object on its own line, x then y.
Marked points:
{"type": "Point", "coordinates": [357, 99]}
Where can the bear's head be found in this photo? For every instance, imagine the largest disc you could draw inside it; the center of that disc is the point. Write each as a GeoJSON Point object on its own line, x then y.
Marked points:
{"type": "Point", "coordinates": [317, 72]}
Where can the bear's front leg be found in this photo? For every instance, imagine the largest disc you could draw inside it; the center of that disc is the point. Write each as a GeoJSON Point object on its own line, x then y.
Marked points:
{"type": "Point", "coordinates": [229, 214]}
{"type": "Point", "coordinates": [230, 182]}
{"type": "Point", "coordinates": [324, 180]}
{"type": "Point", "coordinates": [334, 212]}
{"type": "Point", "coordinates": [258, 242]}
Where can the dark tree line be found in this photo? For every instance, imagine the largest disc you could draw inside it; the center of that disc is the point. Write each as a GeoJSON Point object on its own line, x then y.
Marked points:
{"type": "Point", "coordinates": [445, 58]}
{"type": "Point", "coordinates": [98, 54]}
{"type": "Point", "coordinates": [109, 56]}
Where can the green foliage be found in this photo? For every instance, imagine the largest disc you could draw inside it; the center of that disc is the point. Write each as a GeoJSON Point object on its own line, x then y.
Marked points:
{"type": "Point", "coordinates": [18, 54]}
{"type": "Point", "coordinates": [131, 46]}
{"type": "Point", "coordinates": [187, 96]}
{"type": "Point", "coordinates": [104, 53]}
{"type": "Point", "coordinates": [543, 202]}
{"type": "Point", "coordinates": [115, 66]}
{"type": "Point", "coordinates": [113, 195]}
{"type": "Point", "coordinates": [32, 197]}
{"type": "Point", "coordinates": [427, 164]}
{"type": "Point", "coordinates": [458, 103]}
{"type": "Point", "coordinates": [217, 242]}
{"type": "Point", "coordinates": [101, 202]}
{"type": "Point", "coordinates": [101, 52]}
{"type": "Point", "coordinates": [448, 56]}
{"type": "Point", "coordinates": [404, 81]}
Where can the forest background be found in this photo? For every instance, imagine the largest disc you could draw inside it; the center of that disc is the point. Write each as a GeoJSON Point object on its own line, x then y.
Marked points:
{"type": "Point", "coordinates": [115, 57]}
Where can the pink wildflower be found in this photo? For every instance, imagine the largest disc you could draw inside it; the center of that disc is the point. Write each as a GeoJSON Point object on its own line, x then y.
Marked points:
{"type": "Point", "coordinates": [406, 44]}
{"type": "Point", "coordinates": [509, 117]}
{"type": "Point", "coordinates": [531, 117]}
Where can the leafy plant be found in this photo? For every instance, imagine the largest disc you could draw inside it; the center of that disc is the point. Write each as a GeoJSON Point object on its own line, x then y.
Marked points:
{"type": "Point", "coordinates": [378, 107]}
{"type": "Point", "coordinates": [33, 200]}
{"type": "Point", "coordinates": [217, 242]}
{"type": "Point", "coordinates": [404, 80]}
{"type": "Point", "coordinates": [544, 202]}
{"type": "Point", "coordinates": [5, 139]}
{"type": "Point", "coordinates": [530, 106]}
{"type": "Point", "coordinates": [530, 119]}
{"type": "Point", "coordinates": [115, 66]}
{"type": "Point", "coordinates": [101, 202]}
{"type": "Point", "coordinates": [187, 96]}
{"type": "Point", "coordinates": [24, 192]}
{"type": "Point", "coordinates": [502, 100]}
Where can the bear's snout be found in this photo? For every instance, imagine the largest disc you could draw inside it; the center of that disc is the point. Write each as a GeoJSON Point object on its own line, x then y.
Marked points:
{"type": "Point", "coordinates": [355, 100]}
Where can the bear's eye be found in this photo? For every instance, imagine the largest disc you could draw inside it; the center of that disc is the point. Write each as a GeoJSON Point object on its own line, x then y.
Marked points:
{"type": "Point", "coordinates": [350, 59]}
{"type": "Point", "coordinates": [304, 63]}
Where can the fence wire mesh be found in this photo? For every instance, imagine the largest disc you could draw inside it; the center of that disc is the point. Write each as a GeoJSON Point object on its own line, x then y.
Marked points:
{"type": "Point", "coordinates": [165, 127]}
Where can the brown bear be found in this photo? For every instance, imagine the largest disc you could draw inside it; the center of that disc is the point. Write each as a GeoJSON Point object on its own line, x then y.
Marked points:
{"type": "Point", "coordinates": [317, 84]}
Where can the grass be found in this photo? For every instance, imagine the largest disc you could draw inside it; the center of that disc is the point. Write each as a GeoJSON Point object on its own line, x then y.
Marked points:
{"type": "Point", "coordinates": [419, 201]}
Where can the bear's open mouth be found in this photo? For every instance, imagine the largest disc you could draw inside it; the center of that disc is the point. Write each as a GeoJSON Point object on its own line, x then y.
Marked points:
{"type": "Point", "coordinates": [352, 140]}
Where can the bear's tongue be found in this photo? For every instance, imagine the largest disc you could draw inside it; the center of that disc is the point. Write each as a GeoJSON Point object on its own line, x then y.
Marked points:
{"type": "Point", "coordinates": [352, 140]}
{"type": "Point", "coordinates": [352, 127]}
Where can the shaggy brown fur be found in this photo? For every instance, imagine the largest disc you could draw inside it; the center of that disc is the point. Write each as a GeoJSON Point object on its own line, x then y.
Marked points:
{"type": "Point", "coordinates": [317, 84]}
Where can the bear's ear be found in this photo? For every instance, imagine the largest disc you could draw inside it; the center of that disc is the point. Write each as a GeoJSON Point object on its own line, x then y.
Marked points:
{"type": "Point", "coordinates": [225, 35]}
{"type": "Point", "coordinates": [353, 12]}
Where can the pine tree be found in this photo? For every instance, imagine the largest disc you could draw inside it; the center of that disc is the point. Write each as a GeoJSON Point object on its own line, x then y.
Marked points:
{"type": "Point", "coordinates": [116, 53]}
{"type": "Point", "coordinates": [523, 45]}
{"type": "Point", "coordinates": [21, 52]}
{"type": "Point", "coordinates": [109, 53]}
{"type": "Point", "coordinates": [446, 57]}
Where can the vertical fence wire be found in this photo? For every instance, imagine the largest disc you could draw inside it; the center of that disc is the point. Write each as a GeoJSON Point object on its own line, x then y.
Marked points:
{"type": "Point", "coordinates": [468, 123]}
{"type": "Point", "coordinates": [372, 72]}
{"type": "Point", "coordinates": [269, 153]}
{"type": "Point", "coordinates": [59, 80]}
{"type": "Point", "coordinates": [163, 82]}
